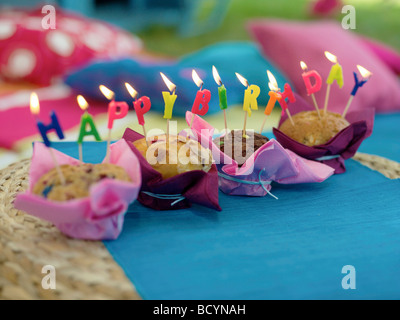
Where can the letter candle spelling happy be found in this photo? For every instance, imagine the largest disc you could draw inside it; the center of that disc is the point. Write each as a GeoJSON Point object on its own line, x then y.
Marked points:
{"type": "Point", "coordinates": [43, 129]}
{"type": "Point", "coordinates": [116, 110]}
{"type": "Point", "coordinates": [85, 121]}
{"type": "Point", "coordinates": [287, 93]}
{"type": "Point", "coordinates": [137, 104]}
{"type": "Point", "coordinates": [311, 89]}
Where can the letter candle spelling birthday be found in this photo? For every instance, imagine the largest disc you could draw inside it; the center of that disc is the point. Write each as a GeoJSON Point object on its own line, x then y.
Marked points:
{"type": "Point", "coordinates": [311, 89]}
{"type": "Point", "coordinates": [365, 77]}
{"type": "Point", "coordinates": [336, 73]}
{"type": "Point", "coordinates": [137, 104]}
{"type": "Point", "coordinates": [287, 93]}
{"type": "Point", "coordinates": [169, 100]}
{"type": "Point", "coordinates": [223, 104]}
{"type": "Point", "coordinates": [250, 99]}
{"type": "Point", "coordinates": [86, 120]}
{"type": "Point", "coordinates": [203, 97]}
{"type": "Point", "coordinates": [116, 110]}
{"type": "Point", "coordinates": [43, 129]}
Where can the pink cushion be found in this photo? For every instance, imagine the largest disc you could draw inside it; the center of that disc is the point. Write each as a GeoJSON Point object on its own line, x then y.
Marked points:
{"type": "Point", "coordinates": [30, 53]}
{"type": "Point", "coordinates": [287, 43]}
{"type": "Point", "coordinates": [388, 55]}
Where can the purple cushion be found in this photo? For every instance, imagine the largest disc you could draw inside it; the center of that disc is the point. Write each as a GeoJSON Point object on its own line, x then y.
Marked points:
{"type": "Point", "coordinates": [287, 43]}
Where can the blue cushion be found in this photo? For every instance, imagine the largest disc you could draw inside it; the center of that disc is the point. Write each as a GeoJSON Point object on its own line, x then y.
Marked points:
{"type": "Point", "coordinates": [229, 57]}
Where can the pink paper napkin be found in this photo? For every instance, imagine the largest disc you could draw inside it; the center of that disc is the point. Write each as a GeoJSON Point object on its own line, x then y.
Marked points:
{"type": "Point", "coordinates": [341, 147]}
{"type": "Point", "coordinates": [97, 217]}
{"type": "Point", "coordinates": [269, 163]}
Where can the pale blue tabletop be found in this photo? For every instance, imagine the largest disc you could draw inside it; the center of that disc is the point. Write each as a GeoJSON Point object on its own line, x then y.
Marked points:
{"type": "Point", "coordinates": [262, 248]}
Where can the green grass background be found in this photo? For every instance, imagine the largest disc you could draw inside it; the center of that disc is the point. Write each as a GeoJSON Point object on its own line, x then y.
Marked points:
{"type": "Point", "coordinates": [379, 19]}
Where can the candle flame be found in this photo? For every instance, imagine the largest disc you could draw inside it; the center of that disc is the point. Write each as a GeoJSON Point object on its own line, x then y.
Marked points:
{"type": "Point", "coordinates": [107, 92]}
{"type": "Point", "coordinates": [216, 76]}
{"type": "Point", "coordinates": [131, 90]}
{"type": "Point", "coordinates": [364, 72]}
{"type": "Point", "coordinates": [332, 58]}
{"type": "Point", "coordinates": [82, 102]}
{"type": "Point", "coordinates": [303, 65]}
{"type": "Point", "coordinates": [34, 104]}
{"type": "Point", "coordinates": [196, 78]}
{"type": "Point", "coordinates": [171, 86]}
{"type": "Point", "coordinates": [273, 84]}
{"type": "Point", "coordinates": [273, 87]}
{"type": "Point", "coordinates": [242, 79]}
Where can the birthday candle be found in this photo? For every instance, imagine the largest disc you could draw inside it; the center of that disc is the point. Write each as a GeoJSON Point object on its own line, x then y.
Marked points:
{"type": "Point", "coordinates": [203, 97]}
{"type": "Point", "coordinates": [357, 84]}
{"type": "Point", "coordinates": [44, 129]}
{"type": "Point", "coordinates": [287, 93]}
{"type": "Point", "coordinates": [273, 98]}
{"type": "Point", "coordinates": [336, 73]}
{"type": "Point", "coordinates": [141, 106]}
{"type": "Point", "coordinates": [169, 100]}
{"type": "Point", "coordinates": [86, 120]}
{"type": "Point", "coordinates": [223, 103]}
{"type": "Point", "coordinates": [250, 98]}
{"type": "Point", "coordinates": [116, 110]}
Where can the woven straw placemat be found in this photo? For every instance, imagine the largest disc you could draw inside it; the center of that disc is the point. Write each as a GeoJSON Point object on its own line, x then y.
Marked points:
{"type": "Point", "coordinates": [84, 269]}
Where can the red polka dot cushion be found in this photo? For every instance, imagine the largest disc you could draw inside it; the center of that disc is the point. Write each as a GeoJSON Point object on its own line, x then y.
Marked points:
{"type": "Point", "coordinates": [28, 52]}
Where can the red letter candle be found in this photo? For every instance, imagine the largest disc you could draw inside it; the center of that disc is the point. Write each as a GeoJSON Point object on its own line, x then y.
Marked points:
{"type": "Point", "coordinates": [203, 97]}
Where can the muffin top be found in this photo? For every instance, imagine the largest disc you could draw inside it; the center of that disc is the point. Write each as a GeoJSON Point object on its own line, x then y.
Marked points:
{"type": "Point", "coordinates": [78, 180]}
{"type": "Point", "coordinates": [240, 147]}
{"type": "Point", "coordinates": [310, 130]}
{"type": "Point", "coordinates": [179, 155]}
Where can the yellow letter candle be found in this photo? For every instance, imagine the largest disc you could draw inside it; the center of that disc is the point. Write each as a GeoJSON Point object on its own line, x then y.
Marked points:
{"type": "Point", "coordinates": [250, 99]}
{"type": "Point", "coordinates": [169, 100]}
{"type": "Point", "coordinates": [336, 73]}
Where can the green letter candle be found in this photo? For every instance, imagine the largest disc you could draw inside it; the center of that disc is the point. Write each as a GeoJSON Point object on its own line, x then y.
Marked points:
{"type": "Point", "coordinates": [85, 121]}
{"type": "Point", "coordinates": [223, 103]}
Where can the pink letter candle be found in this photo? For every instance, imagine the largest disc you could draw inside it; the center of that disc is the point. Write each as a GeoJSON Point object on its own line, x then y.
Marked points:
{"type": "Point", "coordinates": [311, 89]}
{"type": "Point", "coordinates": [116, 110]}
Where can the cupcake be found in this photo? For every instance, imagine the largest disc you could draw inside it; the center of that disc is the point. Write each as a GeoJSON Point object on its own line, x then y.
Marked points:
{"type": "Point", "coordinates": [330, 140]}
{"type": "Point", "coordinates": [266, 161]}
{"type": "Point", "coordinates": [78, 180]}
{"type": "Point", "coordinates": [179, 155]}
{"type": "Point", "coordinates": [92, 202]}
{"type": "Point", "coordinates": [175, 174]}
{"type": "Point", "coordinates": [310, 130]}
{"type": "Point", "coordinates": [240, 146]}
